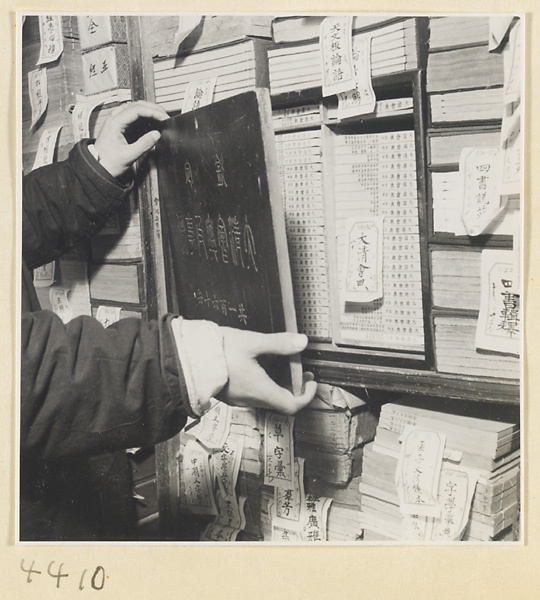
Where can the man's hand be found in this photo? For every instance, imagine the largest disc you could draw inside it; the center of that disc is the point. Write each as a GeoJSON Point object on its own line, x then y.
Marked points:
{"type": "Point", "coordinates": [114, 152]}
{"type": "Point", "coordinates": [248, 384]}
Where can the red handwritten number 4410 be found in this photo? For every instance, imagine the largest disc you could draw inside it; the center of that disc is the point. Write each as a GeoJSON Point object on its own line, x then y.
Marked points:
{"type": "Point", "coordinates": [97, 581]}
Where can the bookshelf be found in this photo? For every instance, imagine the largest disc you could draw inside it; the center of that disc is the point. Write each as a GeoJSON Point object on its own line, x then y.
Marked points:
{"type": "Point", "coordinates": [437, 147]}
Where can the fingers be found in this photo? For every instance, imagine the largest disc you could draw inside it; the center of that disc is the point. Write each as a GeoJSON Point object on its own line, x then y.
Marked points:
{"type": "Point", "coordinates": [282, 344]}
{"type": "Point", "coordinates": [137, 110]}
{"type": "Point", "coordinates": [143, 144]}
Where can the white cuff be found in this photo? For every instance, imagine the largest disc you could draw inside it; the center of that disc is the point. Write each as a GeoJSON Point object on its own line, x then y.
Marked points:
{"type": "Point", "coordinates": [200, 349]}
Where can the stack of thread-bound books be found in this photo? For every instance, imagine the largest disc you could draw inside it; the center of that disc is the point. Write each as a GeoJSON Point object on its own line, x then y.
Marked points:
{"type": "Point", "coordinates": [297, 66]}
{"type": "Point", "coordinates": [488, 448]}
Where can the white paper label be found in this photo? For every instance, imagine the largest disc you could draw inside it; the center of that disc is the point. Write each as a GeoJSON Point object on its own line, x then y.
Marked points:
{"type": "Point", "coordinates": [418, 471]}
{"type": "Point", "coordinates": [46, 148]}
{"type": "Point", "coordinates": [361, 100]}
{"type": "Point", "coordinates": [94, 30]}
{"type": "Point", "coordinates": [60, 303]}
{"type": "Point", "coordinates": [99, 70]}
{"type": "Point", "coordinates": [52, 43]}
{"type": "Point", "coordinates": [39, 98]}
{"type": "Point", "coordinates": [107, 315]}
{"type": "Point", "coordinates": [480, 170]}
{"type": "Point", "coordinates": [278, 450]}
{"type": "Point", "coordinates": [499, 321]}
{"type": "Point", "coordinates": [336, 55]}
{"type": "Point", "coordinates": [364, 267]}
{"type": "Point", "coordinates": [44, 275]}
{"type": "Point", "coordinates": [199, 93]}
{"type": "Point", "coordinates": [197, 480]}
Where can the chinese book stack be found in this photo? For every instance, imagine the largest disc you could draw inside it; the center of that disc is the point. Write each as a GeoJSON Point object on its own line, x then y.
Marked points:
{"type": "Point", "coordinates": [472, 475]}
{"type": "Point", "coordinates": [474, 136]}
{"type": "Point", "coordinates": [297, 66]}
{"type": "Point", "coordinates": [220, 475]}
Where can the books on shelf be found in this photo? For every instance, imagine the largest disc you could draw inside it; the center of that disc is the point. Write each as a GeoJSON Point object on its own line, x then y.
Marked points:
{"type": "Point", "coordinates": [467, 105]}
{"type": "Point", "coordinates": [455, 278]}
{"type": "Point", "coordinates": [116, 283]}
{"type": "Point", "coordinates": [491, 510]}
{"type": "Point", "coordinates": [455, 351]}
{"type": "Point", "coordinates": [447, 202]}
{"type": "Point", "coordinates": [445, 147]}
{"type": "Point", "coordinates": [465, 68]}
{"type": "Point", "coordinates": [300, 165]}
{"type": "Point", "coordinates": [330, 436]}
{"type": "Point", "coordinates": [303, 28]}
{"type": "Point", "coordinates": [376, 177]}
{"type": "Point", "coordinates": [238, 67]}
{"type": "Point", "coordinates": [213, 30]}
{"type": "Point", "coordinates": [125, 244]}
{"type": "Point", "coordinates": [298, 67]}
{"type": "Point", "coordinates": [453, 32]}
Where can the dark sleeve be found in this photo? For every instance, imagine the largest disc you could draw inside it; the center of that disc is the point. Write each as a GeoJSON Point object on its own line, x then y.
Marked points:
{"type": "Point", "coordinates": [65, 203]}
{"type": "Point", "coordinates": [87, 390]}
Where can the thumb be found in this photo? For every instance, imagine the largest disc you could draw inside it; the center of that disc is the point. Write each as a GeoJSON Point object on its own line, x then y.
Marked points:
{"type": "Point", "coordinates": [283, 344]}
{"type": "Point", "coordinates": [143, 144]}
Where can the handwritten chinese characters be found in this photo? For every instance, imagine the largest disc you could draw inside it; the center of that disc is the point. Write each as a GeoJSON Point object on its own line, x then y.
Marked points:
{"type": "Point", "coordinates": [46, 148]}
{"type": "Point", "coordinates": [226, 239]}
{"type": "Point", "coordinates": [336, 55]}
{"type": "Point", "coordinates": [480, 169]}
{"type": "Point", "coordinates": [363, 273]}
{"type": "Point", "coordinates": [199, 93]}
{"type": "Point", "coordinates": [279, 451]}
{"type": "Point", "coordinates": [417, 475]}
{"type": "Point", "coordinates": [360, 100]}
{"type": "Point", "coordinates": [39, 97]}
{"type": "Point", "coordinates": [100, 69]}
{"type": "Point", "coordinates": [500, 318]}
{"type": "Point", "coordinates": [197, 479]}
{"type": "Point", "coordinates": [52, 43]}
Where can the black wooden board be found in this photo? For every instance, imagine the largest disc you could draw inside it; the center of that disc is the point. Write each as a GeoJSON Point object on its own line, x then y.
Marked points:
{"type": "Point", "coordinates": [219, 187]}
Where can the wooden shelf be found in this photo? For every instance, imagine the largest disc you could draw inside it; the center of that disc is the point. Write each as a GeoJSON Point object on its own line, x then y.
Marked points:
{"type": "Point", "coordinates": [414, 381]}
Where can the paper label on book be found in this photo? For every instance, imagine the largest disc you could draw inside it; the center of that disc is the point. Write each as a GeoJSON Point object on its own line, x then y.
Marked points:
{"type": "Point", "coordinates": [94, 30]}
{"type": "Point", "coordinates": [214, 426]}
{"type": "Point", "coordinates": [288, 501]}
{"type": "Point", "coordinates": [80, 119]}
{"type": "Point", "coordinates": [364, 260]}
{"type": "Point", "coordinates": [278, 450]}
{"type": "Point", "coordinates": [199, 93]}
{"type": "Point", "coordinates": [186, 25]}
{"type": "Point", "coordinates": [498, 27]}
{"type": "Point", "coordinates": [226, 464]}
{"type": "Point", "coordinates": [336, 55]}
{"type": "Point", "coordinates": [456, 490]}
{"type": "Point", "coordinates": [107, 315]}
{"type": "Point", "coordinates": [60, 304]}
{"type": "Point", "coordinates": [46, 148]}
{"type": "Point", "coordinates": [313, 518]}
{"type": "Point", "coordinates": [418, 471]}
{"type": "Point", "coordinates": [415, 527]}
{"type": "Point", "coordinates": [197, 479]}
{"type": "Point", "coordinates": [230, 511]}
{"type": "Point", "coordinates": [52, 42]}
{"type": "Point", "coordinates": [361, 100]}
{"type": "Point", "coordinates": [217, 532]}
{"type": "Point", "coordinates": [39, 97]}
{"type": "Point", "coordinates": [500, 320]}
{"type": "Point", "coordinates": [512, 66]}
{"type": "Point", "coordinates": [44, 275]}
{"type": "Point", "coordinates": [99, 70]}
{"type": "Point", "coordinates": [282, 533]}
{"type": "Point", "coordinates": [480, 170]}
